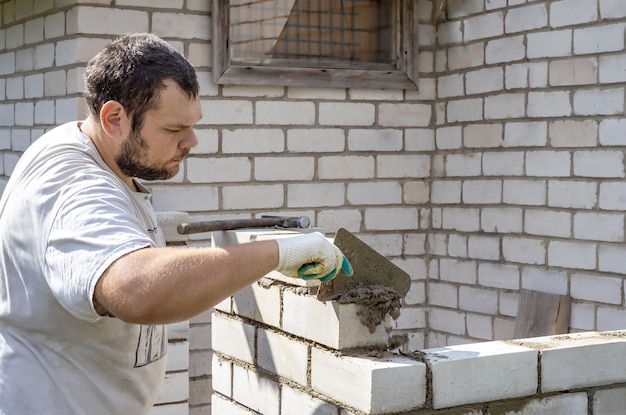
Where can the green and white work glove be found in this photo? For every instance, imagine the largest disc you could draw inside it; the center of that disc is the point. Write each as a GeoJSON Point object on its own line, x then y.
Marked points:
{"type": "Point", "coordinates": [311, 256]}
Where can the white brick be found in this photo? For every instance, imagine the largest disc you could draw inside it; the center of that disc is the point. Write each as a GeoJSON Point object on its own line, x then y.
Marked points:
{"type": "Point", "coordinates": [375, 386]}
{"type": "Point", "coordinates": [445, 192]}
{"type": "Point", "coordinates": [269, 140]}
{"type": "Point", "coordinates": [484, 80]}
{"type": "Point", "coordinates": [284, 168]}
{"type": "Point", "coordinates": [503, 164]}
{"type": "Point", "coordinates": [253, 197]}
{"type": "Point", "coordinates": [610, 318]}
{"type": "Point", "coordinates": [570, 12]}
{"type": "Point", "coordinates": [255, 392]}
{"type": "Point", "coordinates": [483, 26]}
{"type": "Point", "coordinates": [443, 295]}
{"type": "Point", "coordinates": [499, 276]}
{"type": "Point", "coordinates": [222, 373]}
{"type": "Point", "coordinates": [505, 106]}
{"type": "Point", "coordinates": [548, 163]}
{"type": "Point", "coordinates": [283, 356]}
{"type": "Point", "coordinates": [296, 402]}
{"type": "Point", "coordinates": [549, 104]}
{"type": "Point", "coordinates": [612, 259]}
{"type": "Point", "coordinates": [96, 20]}
{"type": "Point", "coordinates": [599, 163]}
{"type": "Point", "coordinates": [478, 300]}
{"type": "Point", "coordinates": [259, 302]}
{"type": "Point", "coordinates": [419, 139]}
{"type": "Point", "coordinates": [482, 191]}
{"type": "Point", "coordinates": [612, 195]}
{"type": "Point", "coordinates": [549, 44]}
{"type": "Point", "coordinates": [599, 102]}
{"type": "Point", "coordinates": [333, 219]}
{"type": "Point", "coordinates": [391, 218]}
{"type": "Point", "coordinates": [331, 113]}
{"type": "Point", "coordinates": [501, 220]}
{"type": "Point", "coordinates": [308, 93]}
{"type": "Point", "coordinates": [572, 255]}
{"type": "Point", "coordinates": [33, 86]}
{"type": "Point", "coordinates": [583, 316]}
{"type": "Point", "coordinates": [518, 134]}
{"type": "Point", "coordinates": [450, 86]}
{"type": "Point", "coordinates": [315, 194]}
{"type": "Point", "coordinates": [44, 112]}
{"type": "Point", "coordinates": [180, 25]}
{"type": "Point", "coordinates": [610, 401]}
{"type": "Point", "coordinates": [218, 112]}
{"type": "Point", "coordinates": [607, 38]}
{"type": "Point", "coordinates": [539, 279]}
{"type": "Point", "coordinates": [403, 166]}
{"type": "Point", "coordinates": [611, 132]}
{"type": "Point", "coordinates": [572, 194]}
{"type": "Point", "coordinates": [449, 321]}
{"type": "Point", "coordinates": [375, 140]}
{"type": "Point", "coordinates": [316, 140]}
{"type": "Point", "coordinates": [404, 115]}
{"type": "Point", "coordinates": [570, 133]}
{"type": "Point", "coordinates": [523, 75]}
{"type": "Point", "coordinates": [570, 404]}
{"type": "Point", "coordinates": [481, 372]}
{"type": "Point", "coordinates": [612, 9]}
{"type": "Point", "coordinates": [548, 223]}
{"type": "Point", "coordinates": [374, 193]}
{"type": "Point", "coordinates": [479, 327]}
{"type": "Point", "coordinates": [599, 226]}
{"type": "Point", "coordinates": [219, 405]}
{"type": "Point", "coordinates": [285, 113]}
{"type": "Point", "coordinates": [450, 32]}
{"type": "Point", "coordinates": [466, 56]}
{"type": "Point", "coordinates": [573, 72]}
{"type": "Point", "coordinates": [342, 327]}
{"type": "Point", "coordinates": [219, 170]}
{"type": "Point", "coordinates": [596, 288]}
{"type": "Point", "coordinates": [581, 360]}
{"type": "Point", "coordinates": [54, 25]}
{"type": "Point", "coordinates": [524, 250]}
{"type": "Point", "coordinates": [505, 50]}
{"type": "Point", "coordinates": [483, 135]}
{"type": "Point", "coordinates": [448, 138]}
{"type": "Point", "coordinates": [233, 338]}
{"type": "Point", "coordinates": [24, 60]}
{"type": "Point", "coordinates": [459, 271]}
{"type": "Point", "coordinates": [461, 219]}
{"type": "Point", "coordinates": [465, 110]}
{"type": "Point", "coordinates": [463, 165]}
{"type": "Point", "coordinates": [526, 18]}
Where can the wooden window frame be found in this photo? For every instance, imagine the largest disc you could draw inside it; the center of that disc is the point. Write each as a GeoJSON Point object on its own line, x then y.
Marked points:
{"type": "Point", "coordinates": [403, 76]}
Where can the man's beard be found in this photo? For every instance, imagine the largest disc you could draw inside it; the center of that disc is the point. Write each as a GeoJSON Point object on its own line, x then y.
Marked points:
{"type": "Point", "coordinates": [133, 151]}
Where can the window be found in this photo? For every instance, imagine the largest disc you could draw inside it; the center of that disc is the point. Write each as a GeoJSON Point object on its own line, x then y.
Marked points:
{"type": "Point", "coordinates": [324, 43]}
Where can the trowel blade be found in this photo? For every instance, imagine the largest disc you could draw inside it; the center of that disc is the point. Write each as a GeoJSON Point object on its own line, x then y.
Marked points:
{"type": "Point", "coordinates": [370, 268]}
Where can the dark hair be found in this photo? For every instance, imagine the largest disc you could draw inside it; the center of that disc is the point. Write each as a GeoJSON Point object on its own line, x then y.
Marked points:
{"type": "Point", "coordinates": [132, 70]}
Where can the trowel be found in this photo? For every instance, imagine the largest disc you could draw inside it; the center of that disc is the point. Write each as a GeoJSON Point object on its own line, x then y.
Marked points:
{"type": "Point", "coordinates": [370, 268]}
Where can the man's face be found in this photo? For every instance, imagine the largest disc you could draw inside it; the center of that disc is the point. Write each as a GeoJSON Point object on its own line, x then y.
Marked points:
{"type": "Point", "coordinates": [165, 139]}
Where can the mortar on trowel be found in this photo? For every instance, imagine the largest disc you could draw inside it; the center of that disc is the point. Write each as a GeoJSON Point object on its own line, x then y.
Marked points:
{"type": "Point", "coordinates": [377, 285]}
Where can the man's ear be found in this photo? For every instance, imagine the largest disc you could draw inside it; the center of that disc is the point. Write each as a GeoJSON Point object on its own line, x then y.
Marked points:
{"type": "Point", "coordinates": [114, 120]}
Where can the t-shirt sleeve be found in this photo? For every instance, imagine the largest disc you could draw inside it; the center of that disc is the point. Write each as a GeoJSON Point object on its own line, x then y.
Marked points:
{"type": "Point", "coordinates": [90, 230]}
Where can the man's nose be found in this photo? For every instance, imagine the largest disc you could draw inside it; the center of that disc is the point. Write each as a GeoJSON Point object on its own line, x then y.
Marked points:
{"type": "Point", "coordinates": [190, 140]}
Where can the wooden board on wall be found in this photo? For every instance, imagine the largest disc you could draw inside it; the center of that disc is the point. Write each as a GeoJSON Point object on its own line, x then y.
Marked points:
{"type": "Point", "coordinates": [542, 314]}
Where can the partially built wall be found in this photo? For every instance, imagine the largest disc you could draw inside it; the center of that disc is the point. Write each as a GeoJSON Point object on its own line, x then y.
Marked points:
{"type": "Point", "coordinates": [503, 171]}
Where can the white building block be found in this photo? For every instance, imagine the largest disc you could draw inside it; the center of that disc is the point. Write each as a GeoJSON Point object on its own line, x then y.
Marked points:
{"type": "Point", "coordinates": [233, 338]}
{"type": "Point", "coordinates": [297, 402]}
{"type": "Point", "coordinates": [581, 360]}
{"type": "Point", "coordinates": [373, 385]}
{"type": "Point", "coordinates": [175, 388]}
{"type": "Point", "coordinates": [570, 404]}
{"type": "Point", "coordinates": [255, 392]}
{"type": "Point", "coordinates": [329, 323]}
{"type": "Point", "coordinates": [222, 406]}
{"type": "Point", "coordinates": [609, 402]}
{"type": "Point", "coordinates": [481, 372]}
{"type": "Point", "coordinates": [259, 302]}
{"type": "Point", "coordinates": [285, 356]}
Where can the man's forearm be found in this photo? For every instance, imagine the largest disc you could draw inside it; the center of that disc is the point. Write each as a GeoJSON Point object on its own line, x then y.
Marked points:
{"type": "Point", "coordinates": [165, 285]}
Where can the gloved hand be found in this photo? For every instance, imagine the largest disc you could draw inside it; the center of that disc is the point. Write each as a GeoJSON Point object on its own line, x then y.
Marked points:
{"type": "Point", "coordinates": [311, 256]}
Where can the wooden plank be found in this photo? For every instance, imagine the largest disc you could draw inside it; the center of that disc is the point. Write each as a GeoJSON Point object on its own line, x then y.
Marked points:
{"type": "Point", "coordinates": [542, 314]}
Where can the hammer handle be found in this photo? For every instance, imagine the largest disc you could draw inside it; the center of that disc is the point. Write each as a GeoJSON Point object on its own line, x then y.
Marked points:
{"type": "Point", "coordinates": [263, 222]}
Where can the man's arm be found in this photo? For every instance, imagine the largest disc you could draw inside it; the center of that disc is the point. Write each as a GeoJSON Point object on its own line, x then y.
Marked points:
{"type": "Point", "coordinates": [165, 285]}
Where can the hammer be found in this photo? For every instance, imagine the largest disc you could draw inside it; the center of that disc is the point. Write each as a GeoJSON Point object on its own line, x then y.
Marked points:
{"type": "Point", "coordinates": [262, 222]}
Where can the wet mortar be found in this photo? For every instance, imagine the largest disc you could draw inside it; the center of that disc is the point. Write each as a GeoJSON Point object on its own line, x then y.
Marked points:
{"type": "Point", "coordinates": [374, 303]}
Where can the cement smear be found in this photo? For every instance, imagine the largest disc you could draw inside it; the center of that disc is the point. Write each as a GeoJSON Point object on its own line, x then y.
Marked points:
{"type": "Point", "coordinates": [374, 301]}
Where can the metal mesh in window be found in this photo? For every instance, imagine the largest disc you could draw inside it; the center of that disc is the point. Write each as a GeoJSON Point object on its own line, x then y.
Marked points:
{"type": "Point", "coordinates": [320, 32]}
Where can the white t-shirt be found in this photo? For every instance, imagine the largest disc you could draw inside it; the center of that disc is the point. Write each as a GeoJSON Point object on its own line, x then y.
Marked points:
{"type": "Point", "coordinates": [64, 218]}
